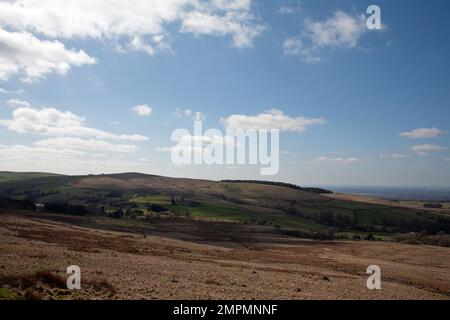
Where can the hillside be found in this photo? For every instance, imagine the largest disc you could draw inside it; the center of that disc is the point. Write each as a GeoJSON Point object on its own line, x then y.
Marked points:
{"type": "Point", "coordinates": [222, 240]}
{"type": "Point", "coordinates": [288, 209]}
{"type": "Point", "coordinates": [187, 259]}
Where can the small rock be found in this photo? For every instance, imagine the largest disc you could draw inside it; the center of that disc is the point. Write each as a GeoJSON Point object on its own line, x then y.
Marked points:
{"type": "Point", "coordinates": [325, 278]}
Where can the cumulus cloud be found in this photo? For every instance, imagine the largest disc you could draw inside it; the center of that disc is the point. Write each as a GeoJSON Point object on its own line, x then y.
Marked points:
{"type": "Point", "coordinates": [33, 33]}
{"type": "Point", "coordinates": [17, 103]}
{"type": "Point", "coordinates": [340, 31]}
{"type": "Point", "coordinates": [53, 122]}
{"type": "Point", "coordinates": [423, 133]}
{"type": "Point", "coordinates": [71, 145]}
{"type": "Point", "coordinates": [84, 144]}
{"type": "Point", "coordinates": [143, 110]}
{"type": "Point", "coordinates": [271, 119]}
{"type": "Point", "coordinates": [424, 149]}
{"type": "Point", "coordinates": [141, 24]}
{"type": "Point", "coordinates": [231, 23]}
{"type": "Point", "coordinates": [22, 52]}
{"type": "Point", "coordinates": [325, 159]}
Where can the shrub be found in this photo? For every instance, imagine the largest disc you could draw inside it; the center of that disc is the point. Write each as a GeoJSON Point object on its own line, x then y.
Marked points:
{"type": "Point", "coordinates": [433, 205]}
{"type": "Point", "coordinates": [356, 237]}
{"type": "Point", "coordinates": [157, 208]}
{"type": "Point", "coordinates": [370, 237]}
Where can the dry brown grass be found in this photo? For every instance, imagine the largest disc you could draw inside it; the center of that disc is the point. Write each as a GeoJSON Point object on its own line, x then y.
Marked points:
{"type": "Point", "coordinates": [172, 264]}
{"type": "Point", "coordinates": [46, 285]}
{"type": "Point", "coordinates": [27, 281]}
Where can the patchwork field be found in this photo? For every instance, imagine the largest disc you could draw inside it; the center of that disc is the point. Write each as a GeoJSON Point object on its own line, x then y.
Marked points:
{"type": "Point", "coordinates": [139, 236]}
{"type": "Point", "coordinates": [286, 208]}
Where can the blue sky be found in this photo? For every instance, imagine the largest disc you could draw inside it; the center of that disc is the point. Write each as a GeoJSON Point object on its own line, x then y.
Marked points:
{"type": "Point", "coordinates": [383, 93]}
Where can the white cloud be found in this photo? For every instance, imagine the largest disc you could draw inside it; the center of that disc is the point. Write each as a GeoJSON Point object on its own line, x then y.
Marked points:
{"type": "Point", "coordinates": [19, 152]}
{"type": "Point", "coordinates": [197, 144]}
{"type": "Point", "coordinates": [424, 149]}
{"type": "Point", "coordinates": [290, 8]}
{"type": "Point", "coordinates": [33, 33]}
{"type": "Point", "coordinates": [232, 23]}
{"type": "Point", "coordinates": [65, 161]}
{"type": "Point", "coordinates": [138, 44]}
{"type": "Point", "coordinates": [295, 47]}
{"type": "Point", "coordinates": [196, 116]}
{"type": "Point", "coordinates": [52, 122]}
{"type": "Point", "coordinates": [288, 153]}
{"type": "Point", "coordinates": [13, 92]}
{"type": "Point", "coordinates": [423, 133]}
{"type": "Point", "coordinates": [342, 30]}
{"type": "Point", "coordinates": [143, 110]}
{"type": "Point", "coordinates": [271, 119]}
{"type": "Point", "coordinates": [84, 144]}
{"type": "Point", "coordinates": [180, 112]}
{"type": "Point", "coordinates": [336, 160]}
{"type": "Point", "coordinates": [285, 10]}
{"type": "Point", "coordinates": [17, 103]}
{"type": "Point", "coordinates": [140, 24]}
{"type": "Point", "coordinates": [22, 52]}
{"type": "Point", "coordinates": [393, 156]}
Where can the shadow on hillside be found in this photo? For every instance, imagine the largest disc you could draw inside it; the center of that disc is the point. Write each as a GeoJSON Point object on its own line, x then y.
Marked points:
{"type": "Point", "coordinates": [221, 234]}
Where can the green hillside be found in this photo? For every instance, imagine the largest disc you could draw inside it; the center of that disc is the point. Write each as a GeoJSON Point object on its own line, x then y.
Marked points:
{"type": "Point", "coordinates": [150, 198]}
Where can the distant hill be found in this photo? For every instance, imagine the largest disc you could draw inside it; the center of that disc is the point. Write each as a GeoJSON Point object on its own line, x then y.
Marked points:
{"type": "Point", "coordinates": [286, 207]}
{"type": "Point", "coordinates": [281, 184]}
{"type": "Point", "coordinates": [137, 181]}
{"type": "Point", "coordinates": [134, 180]}
{"type": "Point", "coordinates": [14, 176]}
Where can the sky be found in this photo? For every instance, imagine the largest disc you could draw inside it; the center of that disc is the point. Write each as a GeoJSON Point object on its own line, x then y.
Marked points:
{"type": "Point", "coordinates": [98, 86]}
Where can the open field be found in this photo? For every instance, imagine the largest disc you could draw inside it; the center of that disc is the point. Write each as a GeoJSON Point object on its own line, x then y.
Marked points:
{"type": "Point", "coordinates": [186, 259]}
{"type": "Point", "coordinates": [287, 208]}
{"type": "Point", "coordinates": [139, 236]}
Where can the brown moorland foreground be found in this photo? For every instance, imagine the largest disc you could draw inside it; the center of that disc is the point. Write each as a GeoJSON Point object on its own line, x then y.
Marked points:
{"type": "Point", "coordinates": [186, 259]}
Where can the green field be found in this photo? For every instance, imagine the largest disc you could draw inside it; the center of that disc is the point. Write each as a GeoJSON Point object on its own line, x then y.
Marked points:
{"type": "Point", "coordinates": [220, 213]}
{"type": "Point", "coordinates": [131, 195]}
